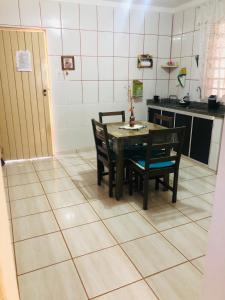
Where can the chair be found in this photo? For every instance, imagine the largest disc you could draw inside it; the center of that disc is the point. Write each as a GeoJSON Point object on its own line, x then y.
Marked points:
{"type": "Point", "coordinates": [163, 120]}
{"type": "Point", "coordinates": [160, 166]}
{"type": "Point", "coordinates": [105, 156]}
{"type": "Point", "coordinates": [112, 113]}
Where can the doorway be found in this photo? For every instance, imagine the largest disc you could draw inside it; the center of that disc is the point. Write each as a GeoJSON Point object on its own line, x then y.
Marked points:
{"type": "Point", "coordinates": [25, 123]}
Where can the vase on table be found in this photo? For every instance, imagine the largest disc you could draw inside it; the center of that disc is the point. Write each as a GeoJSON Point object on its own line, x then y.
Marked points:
{"type": "Point", "coordinates": [132, 117]}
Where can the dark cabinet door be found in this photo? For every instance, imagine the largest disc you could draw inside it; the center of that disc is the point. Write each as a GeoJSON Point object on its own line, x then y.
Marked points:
{"type": "Point", "coordinates": [183, 120]}
{"type": "Point", "coordinates": [201, 139]}
{"type": "Point", "coordinates": [168, 114]}
{"type": "Point", "coordinates": [151, 113]}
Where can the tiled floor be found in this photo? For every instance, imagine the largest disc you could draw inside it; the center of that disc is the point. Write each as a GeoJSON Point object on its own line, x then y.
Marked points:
{"type": "Point", "coordinates": [72, 242]}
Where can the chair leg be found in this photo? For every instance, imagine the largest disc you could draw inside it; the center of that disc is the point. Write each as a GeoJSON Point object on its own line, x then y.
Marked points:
{"type": "Point", "coordinates": [145, 187]}
{"type": "Point", "coordinates": [156, 184]}
{"type": "Point", "coordinates": [100, 169]}
{"type": "Point", "coordinates": [175, 184]}
{"type": "Point", "coordinates": [130, 181]}
{"type": "Point", "coordinates": [167, 181]}
{"type": "Point", "coordinates": [111, 175]}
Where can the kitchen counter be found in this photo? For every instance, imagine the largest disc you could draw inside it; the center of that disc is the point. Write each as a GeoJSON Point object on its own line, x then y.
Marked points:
{"type": "Point", "coordinates": [198, 108]}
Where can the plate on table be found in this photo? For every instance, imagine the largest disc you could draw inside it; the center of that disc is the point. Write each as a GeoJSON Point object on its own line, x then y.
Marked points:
{"type": "Point", "coordinates": [135, 127]}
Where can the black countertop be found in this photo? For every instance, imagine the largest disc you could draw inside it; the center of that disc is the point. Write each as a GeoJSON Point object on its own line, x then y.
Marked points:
{"type": "Point", "coordinates": [194, 107]}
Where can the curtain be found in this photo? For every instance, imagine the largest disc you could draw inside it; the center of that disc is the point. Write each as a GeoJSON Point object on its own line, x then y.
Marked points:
{"type": "Point", "coordinates": [212, 48]}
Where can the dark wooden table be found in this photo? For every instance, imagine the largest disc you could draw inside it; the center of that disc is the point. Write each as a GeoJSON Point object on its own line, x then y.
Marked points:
{"type": "Point", "coordinates": [120, 136]}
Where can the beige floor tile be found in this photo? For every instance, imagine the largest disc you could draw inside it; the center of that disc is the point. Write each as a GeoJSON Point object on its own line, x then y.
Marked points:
{"type": "Point", "coordinates": [199, 263]}
{"type": "Point", "coordinates": [135, 291]}
{"type": "Point", "coordinates": [57, 185]}
{"type": "Point", "coordinates": [197, 186]}
{"type": "Point", "coordinates": [16, 169]}
{"type": "Point", "coordinates": [195, 208]}
{"type": "Point", "coordinates": [210, 179]}
{"type": "Point", "coordinates": [185, 162]}
{"type": "Point", "coordinates": [189, 239]}
{"type": "Point", "coordinates": [88, 238]}
{"type": "Point", "coordinates": [128, 227]}
{"type": "Point", "coordinates": [75, 215]}
{"type": "Point", "coordinates": [40, 252]}
{"type": "Point", "coordinates": [34, 225]}
{"type": "Point", "coordinates": [58, 282]}
{"type": "Point", "coordinates": [164, 217]}
{"type": "Point", "coordinates": [209, 197]}
{"type": "Point", "coordinates": [4, 171]}
{"type": "Point", "coordinates": [205, 223]}
{"type": "Point", "coordinates": [52, 174]}
{"type": "Point", "coordinates": [152, 254]}
{"type": "Point", "coordinates": [196, 171]}
{"type": "Point", "coordinates": [95, 192]}
{"type": "Point", "coordinates": [66, 198]}
{"type": "Point", "coordinates": [111, 207]}
{"type": "Point", "coordinates": [85, 179]}
{"type": "Point", "coordinates": [183, 192]}
{"type": "Point", "coordinates": [105, 270]}
{"type": "Point", "coordinates": [29, 206]}
{"type": "Point", "coordinates": [6, 194]}
{"type": "Point", "coordinates": [179, 283]}
{"type": "Point", "coordinates": [72, 161]}
{"type": "Point", "coordinates": [14, 180]}
{"type": "Point", "coordinates": [79, 170]}
{"type": "Point", "coordinates": [88, 154]}
{"type": "Point", "coordinates": [25, 191]}
{"type": "Point", "coordinates": [5, 181]}
{"type": "Point", "coordinates": [46, 164]}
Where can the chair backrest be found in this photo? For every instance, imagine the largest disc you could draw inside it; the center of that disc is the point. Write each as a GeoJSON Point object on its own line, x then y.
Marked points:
{"type": "Point", "coordinates": [167, 143]}
{"type": "Point", "coordinates": [112, 113]}
{"type": "Point", "coordinates": [164, 120]}
{"type": "Point", "coordinates": [101, 141]}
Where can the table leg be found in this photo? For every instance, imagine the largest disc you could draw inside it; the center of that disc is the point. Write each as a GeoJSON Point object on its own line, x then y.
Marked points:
{"type": "Point", "coordinates": [119, 168]}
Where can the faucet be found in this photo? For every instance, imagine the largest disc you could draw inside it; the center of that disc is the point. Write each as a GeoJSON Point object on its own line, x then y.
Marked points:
{"type": "Point", "coordinates": [200, 92]}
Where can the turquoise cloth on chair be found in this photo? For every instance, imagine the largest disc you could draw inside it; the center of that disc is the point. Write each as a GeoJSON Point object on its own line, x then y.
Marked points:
{"type": "Point", "coordinates": [159, 165]}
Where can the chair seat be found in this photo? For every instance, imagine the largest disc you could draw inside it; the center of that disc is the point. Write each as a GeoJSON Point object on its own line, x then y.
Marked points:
{"type": "Point", "coordinates": [160, 165]}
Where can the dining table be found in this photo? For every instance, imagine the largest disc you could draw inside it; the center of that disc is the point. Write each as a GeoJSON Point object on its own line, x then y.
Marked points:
{"type": "Point", "coordinates": [121, 137]}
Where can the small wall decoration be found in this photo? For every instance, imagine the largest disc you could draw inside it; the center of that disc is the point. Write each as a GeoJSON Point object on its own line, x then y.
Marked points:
{"type": "Point", "coordinates": [145, 61]}
{"type": "Point", "coordinates": [68, 63]}
{"type": "Point", "coordinates": [137, 91]}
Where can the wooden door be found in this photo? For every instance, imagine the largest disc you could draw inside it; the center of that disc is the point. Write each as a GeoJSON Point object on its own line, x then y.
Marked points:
{"type": "Point", "coordinates": [25, 127]}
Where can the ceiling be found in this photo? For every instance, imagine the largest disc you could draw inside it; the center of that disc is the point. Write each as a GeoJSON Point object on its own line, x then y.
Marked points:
{"type": "Point", "coordinates": [160, 3]}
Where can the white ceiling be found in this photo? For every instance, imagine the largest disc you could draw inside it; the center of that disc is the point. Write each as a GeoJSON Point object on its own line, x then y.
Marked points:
{"type": "Point", "coordinates": [159, 3]}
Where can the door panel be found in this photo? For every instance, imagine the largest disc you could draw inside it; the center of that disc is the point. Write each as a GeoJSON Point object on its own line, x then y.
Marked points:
{"type": "Point", "coordinates": [25, 128]}
{"type": "Point", "coordinates": [184, 120]}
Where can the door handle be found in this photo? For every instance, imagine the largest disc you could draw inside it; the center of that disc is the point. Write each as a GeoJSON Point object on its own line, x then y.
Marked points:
{"type": "Point", "coordinates": [44, 92]}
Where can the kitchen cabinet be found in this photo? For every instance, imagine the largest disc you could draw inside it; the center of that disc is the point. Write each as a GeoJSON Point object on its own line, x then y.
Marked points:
{"type": "Point", "coordinates": [168, 114]}
{"type": "Point", "coordinates": [151, 113]}
{"type": "Point", "coordinates": [201, 139]}
{"type": "Point", "coordinates": [185, 120]}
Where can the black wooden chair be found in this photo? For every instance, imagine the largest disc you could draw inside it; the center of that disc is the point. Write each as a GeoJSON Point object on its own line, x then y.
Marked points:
{"type": "Point", "coordinates": [105, 156]}
{"type": "Point", "coordinates": [110, 114]}
{"type": "Point", "coordinates": [158, 167]}
{"type": "Point", "coordinates": [163, 120]}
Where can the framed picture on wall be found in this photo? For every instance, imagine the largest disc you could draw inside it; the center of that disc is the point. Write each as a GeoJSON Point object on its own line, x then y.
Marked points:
{"type": "Point", "coordinates": [68, 63]}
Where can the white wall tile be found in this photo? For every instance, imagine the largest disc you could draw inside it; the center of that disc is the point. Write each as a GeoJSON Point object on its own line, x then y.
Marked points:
{"type": "Point", "coordinates": [89, 68]}
{"type": "Point", "coordinates": [67, 92]}
{"type": "Point", "coordinates": [90, 91]}
{"type": "Point", "coordinates": [89, 43]}
{"type": "Point", "coordinates": [162, 73]}
{"type": "Point", "coordinates": [182, 91]}
{"type": "Point", "coordinates": [194, 93]}
{"type": "Point", "coordinates": [50, 14]}
{"type": "Point", "coordinates": [164, 44]}
{"type": "Point", "coordinates": [197, 18]}
{"type": "Point", "coordinates": [165, 24]}
{"type": "Point", "coordinates": [9, 12]}
{"type": "Point", "coordinates": [134, 71]}
{"type": "Point", "coordinates": [105, 18]}
{"type": "Point", "coordinates": [30, 13]}
{"type": "Point", "coordinates": [187, 44]}
{"type": "Point", "coordinates": [71, 42]}
{"type": "Point", "coordinates": [185, 62]}
{"type": "Point", "coordinates": [54, 42]}
{"type": "Point", "coordinates": [195, 71]}
{"type": "Point", "coordinates": [162, 87]}
{"type": "Point", "coordinates": [137, 21]}
{"type": "Point", "coordinates": [106, 91]}
{"type": "Point", "coordinates": [178, 23]}
{"type": "Point", "coordinates": [105, 65]}
{"type": "Point", "coordinates": [121, 19]}
{"type": "Point", "coordinates": [150, 73]}
{"type": "Point", "coordinates": [76, 74]}
{"type": "Point", "coordinates": [120, 68]}
{"type": "Point", "coordinates": [148, 89]}
{"type": "Point", "coordinates": [121, 91]}
{"type": "Point", "coordinates": [176, 46]}
{"type": "Point", "coordinates": [196, 45]}
{"type": "Point", "coordinates": [174, 72]}
{"type": "Point", "coordinates": [151, 22]}
{"type": "Point", "coordinates": [70, 15]}
{"type": "Point", "coordinates": [55, 68]}
{"type": "Point", "coordinates": [189, 20]}
{"type": "Point", "coordinates": [105, 43]}
{"type": "Point", "coordinates": [136, 45]}
{"type": "Point", "coordinates": [88, 17]}
{"type": "Point", "coordinates": [151, 45]}
{"type": "Point", "coordinates": [173, 88]}
{"type": "Point", "coordinates": [121, 44]}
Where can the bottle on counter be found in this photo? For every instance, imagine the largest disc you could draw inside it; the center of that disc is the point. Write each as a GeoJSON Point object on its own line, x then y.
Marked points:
{"type": "Point", "coordinates": [132, 118]}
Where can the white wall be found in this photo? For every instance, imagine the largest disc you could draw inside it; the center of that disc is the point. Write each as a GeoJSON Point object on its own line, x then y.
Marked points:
{"type": "Point", "coordinates": [185, 45]}
{"type": "Point", "coordinates": [105, 42]}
